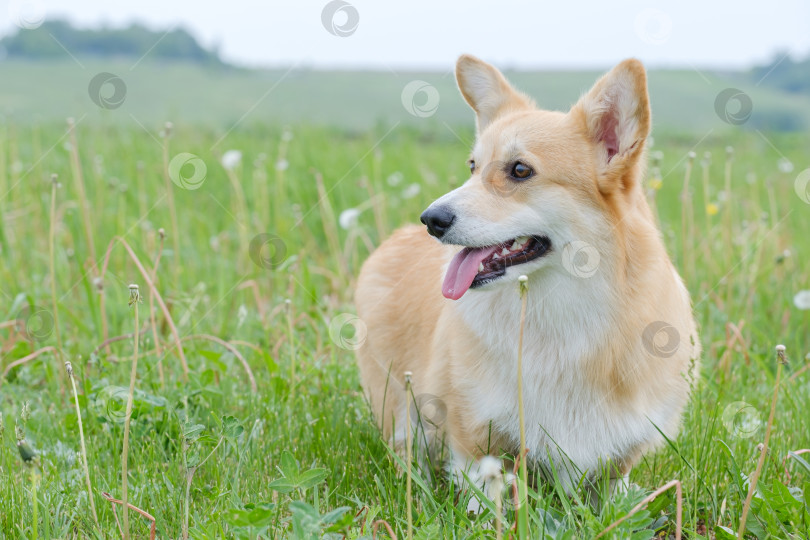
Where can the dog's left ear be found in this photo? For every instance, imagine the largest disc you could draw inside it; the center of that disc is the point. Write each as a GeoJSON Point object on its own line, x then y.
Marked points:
{"type": "Point", "coordinates": [615, 114]}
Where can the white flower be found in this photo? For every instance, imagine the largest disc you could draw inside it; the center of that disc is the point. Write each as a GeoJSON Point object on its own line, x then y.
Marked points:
{"type": "Point", "coordinates": [802, 300]}
{"type": "Point", "coordinates": [231, 159]}
{"type": "Point", "coordinates": [349, 218]}
{"type": "Point", "coordinates": [411, 191]}
{"type": "Point", "coordinates": [395, 178]}
{"type": "Point", "coordinates": [282, 165]}
{"type": "Point", "coordinates": [785, 165]}
{"type": "Point", "coordinates": [286, 135]}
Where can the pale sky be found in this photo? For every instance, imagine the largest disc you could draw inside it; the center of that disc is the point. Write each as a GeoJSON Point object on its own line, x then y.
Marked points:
{"type": "Point", "coordinates": [432, 33]}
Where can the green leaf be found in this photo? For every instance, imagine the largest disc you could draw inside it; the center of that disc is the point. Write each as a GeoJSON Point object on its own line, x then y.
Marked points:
{"type": "Point", "coordinates": [232, 429]}
{"type": "Point", "coordinates": [271, 364]}
{"type": "Point", "coordinates": [288, 466]}
{"type": "Point", "coordinates": [192, 433]}
{"type": "Point", "coordinates": [215, 358]}
{"type": "Point", "coordinates": [341, 522]}
{"type": "Point", "coordinates": [333, 516]}
{"type": "Point", "coordinates": [800, 460]}
{"type": "Point", "coordinates": [724, 533]}
{"type": "Point", "coordinates": [260, 515]}
{"type": "Point", "coordinates": [282, 485]}
{"type": "Point", "coordinates": [311, 478]}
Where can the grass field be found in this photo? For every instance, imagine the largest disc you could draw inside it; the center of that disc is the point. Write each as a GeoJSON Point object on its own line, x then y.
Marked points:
{"type": "Point", "coordinates": [682, 99]}
{"type": "Point", "coordinates": [255, 279]}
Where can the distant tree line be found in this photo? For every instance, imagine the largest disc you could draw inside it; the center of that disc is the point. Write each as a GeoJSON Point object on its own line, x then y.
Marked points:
{"type": "Point", "coordinates": [785, 73]}
{"type": "Point", "coordinates": [47, 41]}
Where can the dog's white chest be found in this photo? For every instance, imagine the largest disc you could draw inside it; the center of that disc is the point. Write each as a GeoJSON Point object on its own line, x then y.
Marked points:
{"type": "Point", "coordinates": [565, 415]}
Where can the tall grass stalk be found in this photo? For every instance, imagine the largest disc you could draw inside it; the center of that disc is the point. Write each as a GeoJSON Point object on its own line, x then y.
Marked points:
{"type": "Point", "coordinates": [34, 502]}
{"type": "Point", "coordinates": [705, 168]}
{"type": "Point", "coordinates": [523, 496]}
{"type": "Point", "coordinates": [52, 261]}
{"type": "Point", "coordinates": [687, 220]}
{"type": "Point", "coordinates": [752, 485]}
{"type": "Point", "coordinates": [728, 222]}
{"type": "Point", "coordinates": [145, 275]}
{"type": "Point", "coordinates": [293, 352]}
{"type": "Point", "coordinates": [78, 176]}
{"type": "Point", "coordinates": [152, 318]}
{"type": "Point", "coordinates": [69, 369]}
{"type": "Point", "coordinates": [167, 131]}
{"type": "Point", "coordinates": [409, 453]}
{"type": "Point", "coordinates": [134, 300]}
{"type": "Point", "coordinates": [242, 219]}
{"type": "Point", "coordinates": [328, 221]}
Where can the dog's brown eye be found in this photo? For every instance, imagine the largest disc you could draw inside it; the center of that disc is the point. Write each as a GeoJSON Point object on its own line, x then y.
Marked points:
{"type": "Point", "coordinates": [471, 163]}
{"type": "Point", "coordinates": [521, 171]}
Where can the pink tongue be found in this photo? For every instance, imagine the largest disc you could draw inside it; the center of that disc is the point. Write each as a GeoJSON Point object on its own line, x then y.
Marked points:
{"type": "Point", "coordinates": [462, 271]}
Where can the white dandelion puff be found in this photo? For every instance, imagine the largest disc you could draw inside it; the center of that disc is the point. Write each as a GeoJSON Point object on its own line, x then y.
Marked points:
{"type": "Point", "coordinates": [231, 159]}
{"type": "Point", "coordinates": [411, 191]}
{"type": "Point", "coordinates": [802, 300]}
{"type": "Point", "coordinates": [348, 218]}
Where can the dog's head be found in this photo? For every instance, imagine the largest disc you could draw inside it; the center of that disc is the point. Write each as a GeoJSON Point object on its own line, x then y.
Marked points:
{"type": "Point", "coordinates": [540, 180]}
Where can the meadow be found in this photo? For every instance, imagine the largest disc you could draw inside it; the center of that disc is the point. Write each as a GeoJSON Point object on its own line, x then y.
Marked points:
{"type": "Point", "coordinates": [247, 418]}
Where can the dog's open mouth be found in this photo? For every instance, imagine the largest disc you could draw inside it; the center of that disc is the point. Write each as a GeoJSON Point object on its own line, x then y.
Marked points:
{"type": "Point", "coordinates": [473, 267]}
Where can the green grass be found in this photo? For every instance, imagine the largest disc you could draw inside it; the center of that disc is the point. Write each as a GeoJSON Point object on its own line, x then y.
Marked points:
{"type": "Point", "coordinates": [303, 453]}
{"type": "Point", "coordinates": [682, 99]}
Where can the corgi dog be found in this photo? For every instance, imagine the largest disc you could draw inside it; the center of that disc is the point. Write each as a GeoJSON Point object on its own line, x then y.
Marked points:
{"type": "Point", "coordinates": [610, 343]}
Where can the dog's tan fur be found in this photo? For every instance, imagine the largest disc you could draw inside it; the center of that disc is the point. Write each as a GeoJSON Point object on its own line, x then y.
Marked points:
{"type": "Point", "coordinates": [590, 358]}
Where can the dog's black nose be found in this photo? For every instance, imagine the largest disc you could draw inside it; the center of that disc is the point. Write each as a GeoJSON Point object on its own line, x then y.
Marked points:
{"type": "Point", "coordinates": [438, 220]}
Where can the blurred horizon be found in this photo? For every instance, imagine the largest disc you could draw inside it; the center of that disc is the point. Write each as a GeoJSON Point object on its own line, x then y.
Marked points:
{"type": "Point", "coordinates": [515, 35]}
{"type": "Point", "coordinates": [346, 65]}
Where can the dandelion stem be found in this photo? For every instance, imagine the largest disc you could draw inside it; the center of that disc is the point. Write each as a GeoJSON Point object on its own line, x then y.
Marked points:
{"type": "Point", "coordinates": [409, 452]}
{"type": "Point", "coordinates": [52, 254]}
{"type": "Point", "coordinates": [152, 321]}
{"type": "Point", "coordinates": [523, 510]}
{"type": "Point", "coordinates": [686, 203]}
{"type": "Point", "coordinates": [34, 502]}
{"type": "Point", "coordinates": [752, 486]}
{"type": "Point", "coordinates": [69, 369]}
{"type": "Point", "coordinates": [134, 300]}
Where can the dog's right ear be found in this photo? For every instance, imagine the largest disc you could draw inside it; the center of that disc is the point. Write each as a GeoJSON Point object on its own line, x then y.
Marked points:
{"type": "Point", "coordinates": [487, 91]}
